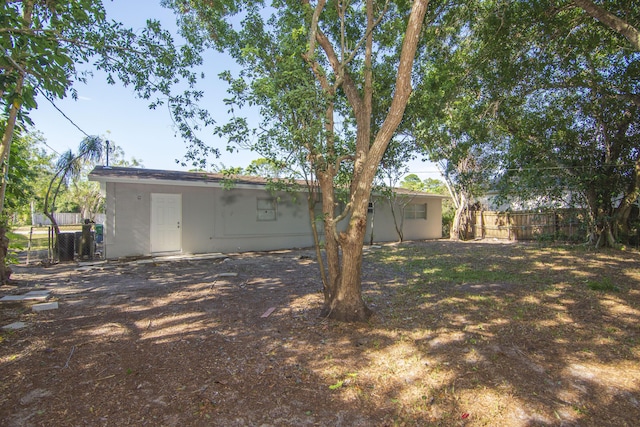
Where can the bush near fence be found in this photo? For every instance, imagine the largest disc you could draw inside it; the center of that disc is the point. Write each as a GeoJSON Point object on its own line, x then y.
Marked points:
{"type": "Point", "coordinates": [566, 224]}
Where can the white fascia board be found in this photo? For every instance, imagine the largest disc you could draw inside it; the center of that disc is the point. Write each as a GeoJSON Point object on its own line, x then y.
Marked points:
{"type": "Point", "coordinates": [194, 183]}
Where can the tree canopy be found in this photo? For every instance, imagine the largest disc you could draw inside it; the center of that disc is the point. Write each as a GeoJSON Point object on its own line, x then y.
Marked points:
{"type": "Point", "coordinates": [495, 86]}
{"type": "Point", "coordinates": [538, 99]}
{"type": "Point", "coordinates": [567, 95]}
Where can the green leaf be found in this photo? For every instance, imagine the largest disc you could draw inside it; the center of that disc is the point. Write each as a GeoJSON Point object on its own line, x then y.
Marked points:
{"type": "Point", "coordinates": [336, 385]}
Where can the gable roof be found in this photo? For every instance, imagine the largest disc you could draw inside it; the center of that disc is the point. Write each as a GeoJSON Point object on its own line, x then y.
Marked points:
{"type": "Point", "coordinates": [105, 174]}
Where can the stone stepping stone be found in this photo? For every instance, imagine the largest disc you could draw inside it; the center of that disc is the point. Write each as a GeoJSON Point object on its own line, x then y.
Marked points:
{"type": "Point", "coordinates": [92, 264]}
{"type": "Point", "coordinates": [12, 298]}
{"type": "Point", "coordinates": [41, 292]}
{"type": "Point", "coordinates": [46, 306]}
{"type": "Point", "coordinates": [15, 326]}
{"type": "Point", "coordinates": [228, 275]}
{"type": "Point", "coordinates": [36, 295]}
{"type": "Point", "coordinates": [29, 296]}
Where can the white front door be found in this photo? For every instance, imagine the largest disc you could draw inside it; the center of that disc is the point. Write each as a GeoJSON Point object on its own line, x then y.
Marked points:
{"type": "Point", "coordinates": [166, 222]}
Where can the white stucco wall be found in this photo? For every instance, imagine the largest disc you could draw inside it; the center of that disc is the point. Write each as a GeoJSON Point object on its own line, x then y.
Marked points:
{"type": "Point", "coordinates": [219, 220]}
{"type": "Point", "coordinates": [413, 229]}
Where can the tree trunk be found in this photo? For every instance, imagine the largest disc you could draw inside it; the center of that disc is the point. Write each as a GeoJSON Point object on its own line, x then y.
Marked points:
{"type": "Point", "coordinates": [605, 237]}
{"type": "Point", "coordinates": [5, 149]}
{"type": "Point", "coordinates": [621, 214]}
{"type": "Point", "coordinates": [311, 204]}
{"type": "Point", "coordinates": [54, 223]}
{"type": "Point", "coordinates": [56, 234]}
{"type": "Point", "coordinates": [398, 226]}
{"type": "Point", "coordinates": [5, 271]}
{"type": "Point", "coordinates": [621, 223]}
{"type": "Point", "coordinates": [346, 304]}
{"type": "Point", "coordinates": [456, 229]}
{"type": "Point", "coordinates": [332, 247]}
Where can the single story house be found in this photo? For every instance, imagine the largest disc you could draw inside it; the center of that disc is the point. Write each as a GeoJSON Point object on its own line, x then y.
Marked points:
{"type": "Point", "coordinates": [152, 212]}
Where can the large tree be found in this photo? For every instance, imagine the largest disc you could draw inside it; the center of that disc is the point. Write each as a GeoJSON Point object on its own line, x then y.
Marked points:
{"type": "Point", "coordinates": [543, 94]}
{"type": "Point", "coordinates": [567, 91]}
{"type": "Point", "coordinates": [349, 51]}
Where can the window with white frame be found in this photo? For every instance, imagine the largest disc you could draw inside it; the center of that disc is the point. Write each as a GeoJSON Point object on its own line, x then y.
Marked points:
{"type": "Point", "coordinates": [415, 211]}
{"type": "Point", "coordinates": [267, 210]}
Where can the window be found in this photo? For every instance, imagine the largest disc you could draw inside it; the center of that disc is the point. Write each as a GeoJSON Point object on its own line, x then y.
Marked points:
{"type": "Point", "coordinates": [415, 211]}
{"type": "Point", "coordinates": [370, 208]}
{"type": "Point", "coordinates": [267, 210]}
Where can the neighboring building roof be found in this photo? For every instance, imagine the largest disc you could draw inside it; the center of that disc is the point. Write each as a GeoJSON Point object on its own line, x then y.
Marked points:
{"type": "Point", "coordinates": [104, 174]}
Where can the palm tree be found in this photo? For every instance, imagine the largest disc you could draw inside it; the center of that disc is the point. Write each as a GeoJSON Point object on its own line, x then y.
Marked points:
{"type": "Point", "coordinates": [69, 166]}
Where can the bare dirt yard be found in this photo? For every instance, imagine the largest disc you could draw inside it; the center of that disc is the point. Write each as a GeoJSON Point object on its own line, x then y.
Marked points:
{"type": "Point", "coordinates": [464, 334]}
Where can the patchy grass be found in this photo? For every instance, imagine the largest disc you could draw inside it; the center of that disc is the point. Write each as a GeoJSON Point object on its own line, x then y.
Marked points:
{"type": "Point", "coordinates": [604, 285]}
{"type": "Point", "coordinates": [510, 334]}
{"type": "Point", "coordinates": [464, 334]}
{"type": "Point", "coordinates": [19, 242]}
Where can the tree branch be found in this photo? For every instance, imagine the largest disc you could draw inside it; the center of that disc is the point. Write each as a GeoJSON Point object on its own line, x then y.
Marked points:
{"type": "Point", "coordinates": [342, 76]}
{"type": "Point", "coordinates": [367, 34]}
{"type": "Point", "coordinates": [612, 21]}
{"type": "Point", "coordinates": [403, 79]}
{"type": "Point", "coordinates": [314, 26]}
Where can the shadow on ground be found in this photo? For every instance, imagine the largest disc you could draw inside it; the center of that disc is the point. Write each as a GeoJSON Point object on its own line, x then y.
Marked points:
{"type": "Point", "coordinates": [464, 334]}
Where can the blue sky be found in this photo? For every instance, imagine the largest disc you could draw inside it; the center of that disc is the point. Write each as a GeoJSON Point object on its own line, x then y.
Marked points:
{"type": "Point", "coordinates": [114, 112]}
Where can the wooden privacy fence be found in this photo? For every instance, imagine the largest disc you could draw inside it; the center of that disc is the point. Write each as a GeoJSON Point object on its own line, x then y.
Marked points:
{"type": "Point", "coordinates": [64, 218]}
{"type": "Point", "coordinates": [568, 224]}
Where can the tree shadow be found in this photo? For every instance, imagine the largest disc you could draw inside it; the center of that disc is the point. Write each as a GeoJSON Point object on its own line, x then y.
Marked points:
{"type": "Point", "coordinates": [464, 334]}
{"type": "Point", "coordinates": [525, 341]}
